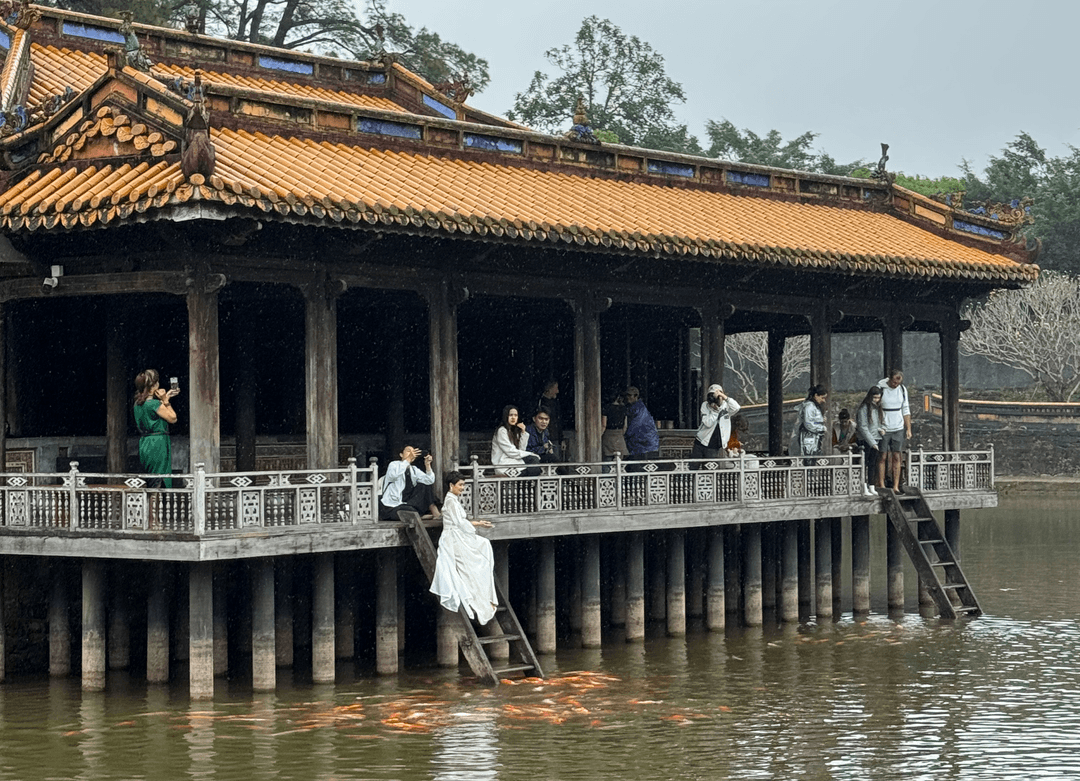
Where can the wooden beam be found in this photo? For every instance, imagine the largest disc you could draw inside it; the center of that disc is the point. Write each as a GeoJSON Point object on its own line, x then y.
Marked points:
{"type": "Point", "coordinates": [174, 282]}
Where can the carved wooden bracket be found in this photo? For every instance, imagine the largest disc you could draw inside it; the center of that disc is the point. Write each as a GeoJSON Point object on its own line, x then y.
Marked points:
{"type": "Point", "coordinates": [205, 282]}
{"type": "Point", "coordinates": [591, 303]}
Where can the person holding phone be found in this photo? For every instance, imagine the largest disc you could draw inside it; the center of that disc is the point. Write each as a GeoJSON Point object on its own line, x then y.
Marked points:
{"type": "Point", "coordinates": [407, 487]}
{"type": "Point", "coordinates": [153, 414]}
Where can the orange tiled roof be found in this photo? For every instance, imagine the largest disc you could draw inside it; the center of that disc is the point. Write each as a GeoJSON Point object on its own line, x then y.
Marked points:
{"type": "Point", "coordinates": [338, 183]}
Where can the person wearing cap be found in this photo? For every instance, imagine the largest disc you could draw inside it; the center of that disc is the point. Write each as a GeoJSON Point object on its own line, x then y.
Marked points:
{"type": "Point", "coordinates": [715, 429]}
{"type": "Point", "coordinates": [843, 432]}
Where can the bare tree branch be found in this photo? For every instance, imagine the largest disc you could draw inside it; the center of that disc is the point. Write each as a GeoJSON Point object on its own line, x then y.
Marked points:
{"type": "Point", "coordinates": [747, 357]}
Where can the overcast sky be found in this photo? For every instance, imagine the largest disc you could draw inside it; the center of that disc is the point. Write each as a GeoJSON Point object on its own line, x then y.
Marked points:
{"type": "Point", "coordinates": [939, 80]}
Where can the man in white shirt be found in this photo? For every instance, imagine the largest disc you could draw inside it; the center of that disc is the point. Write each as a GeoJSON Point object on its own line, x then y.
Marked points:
{"type": "Point", "coordinates": [406, 487]}
{"type": "Point", "coordinates": [894, 403]}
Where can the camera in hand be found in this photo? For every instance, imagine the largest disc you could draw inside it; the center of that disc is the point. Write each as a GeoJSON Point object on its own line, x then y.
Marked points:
{"type": "Point", "coordinates": [712, 398]}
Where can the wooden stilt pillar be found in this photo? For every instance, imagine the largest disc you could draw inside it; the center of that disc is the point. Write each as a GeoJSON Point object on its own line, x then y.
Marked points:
{"type": "Point", "coordinates": [823, 567]}
{"type": "Point", "coordinates": [345, 607]}
{"type": "Point", "coordinates": [448, 636]}
{"type": "Point", "coordinates": [322, 619]}
{"type": "Point", "coordinates": [501, 549]}
{"type": "Point", "coordinates": [443, 300]}
{"type": "Point", "coordinates": [587, 402]}
{"type": "Point", "coordinates": [221, 620]}
{"type": "Point", "coordinates": [118, 646]}
{"type": "Point", "coordinates": [590, 591]}
{"type": "Point", "coordinates": [263, 641]}
{"type": "Point", "coordinates": [157, 625]}
{"type": "Point", "coordinates": [204, 382]}
{"type": "Point", "coordinates": [776, 393]}
{"type": "Point", "coordinates": [545, 596]}
{"type": "Point", "coordinates": [116, 398]}
{"type": "Point", "coordinates": [321, 385]}
{"type": "Point", "coordinates": [751, 574]}
{"type": "Point", "coordinates": [618, 580]}
{"type": "Point", "coordinates": [5, 408]}
{"type": "Point", "coordinates": [894, 568]}
{"type": "Point", "coordinates": [59, 625]}
{"type": "Point", "coordinates": [715, 608]}
{"type": "Point", "coordinates": [860, 564]}
{"type": "Point", "coordinates": [676, 583]}
{"type": "Point", "coordinates": [283, 611]}
{"type": "Point", "coordinates": [789, 572]}
{"type": "Point", "coordinates": [635, 587]}
{"type": "Point", "coordinates": [837, 566]}
{"type": "Point", "coordinates": [732, 568]}
{"type": "Point", "coordinates": [93, 625]}
{"type": "Point", "coordinates": [695, 581]}
{"type": "Point", "coordinates": [573, 547]}
{"type": "Point", "coordinates": [201, 630]}
{"type": "Point", "coordinates": [386, 614]}
{"type": "Point", "coordinates": [657, 576]}
{"type": "Point", "coordinates": [769, 567]}
{"type": "Point", "coordinates": [3, 625]}
{"type": "Point", "coordinates": [806, 590]}
{"type": "Point", "coordinates": [952, 531]}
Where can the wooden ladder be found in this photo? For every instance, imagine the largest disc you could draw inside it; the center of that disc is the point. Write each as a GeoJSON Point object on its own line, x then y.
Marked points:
{"type": "Point", "coordinates": [934, 560]}
{"type": "Point", "coordinates": [473, 645]}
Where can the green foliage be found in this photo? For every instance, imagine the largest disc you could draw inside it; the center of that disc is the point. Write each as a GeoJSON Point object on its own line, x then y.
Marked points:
{"type": "Point", "coordinates": [925, 185]}
{"type": "Point", "coordinates": [1024, 169]}
{"type": "Point", "coordinates": [728, 142]}
{"type": "Point", "coordinates": [623, 83]}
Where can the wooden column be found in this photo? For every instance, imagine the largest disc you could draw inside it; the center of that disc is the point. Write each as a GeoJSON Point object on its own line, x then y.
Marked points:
{"type": "Point", "coordinates": [448, 636]}
{"type": "Point", "coordinates": [776, 393]}
{"type": "Point", "coordinates": [715, 611]}
{"type": "Point", "coordinates": [263, 641]}
{"type": "Point", "coordinates": [201, 630]}
{"type": "Point", "coordinates": [823, 567]}
{"type": "Point", "coordinates": [676, 583]}
{"type": "Point", "coordinates": [789, 572]}
{"type": "Point", "coordinates": [821, 325]}
{"type": "Point", "coordinates": [590, 591]}
{"type": "Point", "coordinates": [59, 625]}
{"type": "Point", "coordinates": [587, 401]}
{"type": "Point", "coordinates": [204, 379]}
{"type": "Point", "coordinates": [860, 563]}
{"type": "Point", "coordinates": [118, 391]}
{"type": "Point", "coordinates": [322, 618]}
{"type": "Point", "coordinates": [157, 625]}
{"type": "Point", "coordinates": [713, 334]}
{"type": "Point", "coordinates": [950, 383]}
{"type": "Point", "coordinates": [443, 300]}
{"type": "Point", "coordinates": [246, 377]}
{"type": "Point", "coordinates": [118, 645]}
{"type": "Point", "coordinates": [93, 625]}
{"type": "Point", "coordinates": [894, 568]}
{"type": "Point", "coordinates": [635, 587]}
{"type": "Point", "coordinates": [751, 572]}
{"type": "Point", "coordinates": [545, 597]}
{"type": "Point", "coordinates": [344, 606]}
{"type": "Point", "coordinates": [892, 337]}
{"type": "Point", "coordinates": [283, 611]}
{"type": "Point", "coordinates": [320, 371]}
{"type": "Point", "coordinates": [386, 613]}
{"type": "Point", "coordinates": [837, 565]}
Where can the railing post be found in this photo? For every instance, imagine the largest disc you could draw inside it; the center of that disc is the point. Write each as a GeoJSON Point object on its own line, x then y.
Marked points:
{"type": "Point", "coordinates": [992, 481]}
{"type": "Point", "coordinates": [73, 496]}
{"type": "Point", "coordinates": [198, 499]}
{"type": "Point", "coordinates": [618, 481]}
{"type": "Point", "coordinates": [474, 464]}
{"type": "Point", "coordinates": [742, 476]}
{"type": "Point", "coordinates": [373, 462]}
{"type": "Point", "coordinates": [352, 489]}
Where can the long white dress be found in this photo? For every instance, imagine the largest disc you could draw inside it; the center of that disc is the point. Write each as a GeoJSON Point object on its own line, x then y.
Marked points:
{"type": "Point", "coordinates": [465, 567]}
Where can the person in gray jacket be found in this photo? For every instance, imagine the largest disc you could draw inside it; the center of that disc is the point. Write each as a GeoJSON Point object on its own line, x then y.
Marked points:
{"type": "Point", "coordinates": [869, 423]}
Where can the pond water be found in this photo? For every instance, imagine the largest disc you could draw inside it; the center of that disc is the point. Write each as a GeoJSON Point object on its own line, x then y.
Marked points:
{"type": "Point", "coordinates": [904, 697]}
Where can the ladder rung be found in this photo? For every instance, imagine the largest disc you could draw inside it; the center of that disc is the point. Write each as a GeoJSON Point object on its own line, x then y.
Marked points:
{"type": "Point", "coordinates": [966, 609]}
{"type": "Point", "coordinates": [498, 639]}
{"type": "Point", "coordinates": [955, 585]}
{"type": "Point", "coordinates": [517, 668]}
{"type": "Point", "coordinates": [930, 542]}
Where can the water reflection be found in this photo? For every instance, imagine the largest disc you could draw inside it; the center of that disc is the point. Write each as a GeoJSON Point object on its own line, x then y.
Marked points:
{"type": "Point", "coordinates": [467, 749]}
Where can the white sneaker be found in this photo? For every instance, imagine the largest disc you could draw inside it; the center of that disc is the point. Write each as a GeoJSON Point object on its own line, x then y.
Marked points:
{"type": "Point", "coordinates": [869, 490]}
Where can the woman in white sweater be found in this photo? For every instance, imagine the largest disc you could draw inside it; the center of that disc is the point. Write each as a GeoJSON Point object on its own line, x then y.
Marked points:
{"type": "Point", "coordinates": [509, 442]}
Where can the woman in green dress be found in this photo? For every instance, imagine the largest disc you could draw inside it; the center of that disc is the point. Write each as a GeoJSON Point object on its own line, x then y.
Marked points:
{"type": "Point", "coordinates": [153, 414]}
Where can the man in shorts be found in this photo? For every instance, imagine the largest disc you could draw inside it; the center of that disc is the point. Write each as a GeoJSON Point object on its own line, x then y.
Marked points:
{"type": "Point", "coordinates": [894, 403]}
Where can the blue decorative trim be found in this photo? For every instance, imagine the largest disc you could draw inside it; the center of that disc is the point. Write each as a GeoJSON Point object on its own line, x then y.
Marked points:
{"type": "Point", "coordinates": [754, 180]}
{"type": "Point", "coordinates": [376, 78]}
{"type": "Point", "coordinates": [979, 230]}
{"type": "Point", "coordinates": [94, 33]}
{"type": "Point", "coordinates": [443, 109]}
{"type": "Point", "coordinates": [5, 40]}
{"type": "Point", "coordinates": [292, 66]}
{"type": "Point", "coordinates": [383, 128]}
{"type": "Point", "coordinates": [494, 144]}
{"type": "Point", "coordinates": [670, 169]}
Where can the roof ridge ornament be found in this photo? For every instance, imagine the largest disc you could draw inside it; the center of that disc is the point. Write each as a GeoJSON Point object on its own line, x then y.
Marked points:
{"type": "Point", "coordinates": [198, 156]}
{"type": "Point", "coordinates": [133, 51]}
{"type": "Point", "coordinates": [581, 131]}
{"type": "Point", "coordinates": [19, 13]}
{"type": "Point", "coordinates": [880, 173]}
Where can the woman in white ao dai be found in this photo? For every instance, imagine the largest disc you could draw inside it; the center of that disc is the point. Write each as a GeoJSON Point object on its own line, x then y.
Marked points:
{"type": "Point", "coordinates": [465, 567]}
